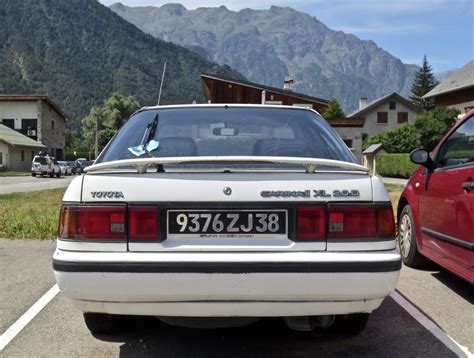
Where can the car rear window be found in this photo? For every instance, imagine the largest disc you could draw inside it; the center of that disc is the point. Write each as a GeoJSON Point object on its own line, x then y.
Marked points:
{"type": "Point", "coordinates": [230, 131]}
{"type": "Point", "coordinates": [40, 160]}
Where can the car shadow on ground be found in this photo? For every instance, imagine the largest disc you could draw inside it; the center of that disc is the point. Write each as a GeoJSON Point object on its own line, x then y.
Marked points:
{"type": "Point", "coordinates": [456, 284]}
{"type": "Point", "coordinates": [391, 331]}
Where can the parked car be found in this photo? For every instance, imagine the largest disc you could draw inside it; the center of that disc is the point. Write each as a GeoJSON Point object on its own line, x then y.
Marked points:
{"type": "Point", "coordinates": [227, 213]}
{"type": "Point", "coordinates": [436, 209]}
{"type": "Point", "coordinates": [45, 165]}
{"type": "Point", "coordinates": [81, 163]}
{"type": "Point", "coordinates": [74, 167]}
{"type": "Point", "coordinates": [65, 168]}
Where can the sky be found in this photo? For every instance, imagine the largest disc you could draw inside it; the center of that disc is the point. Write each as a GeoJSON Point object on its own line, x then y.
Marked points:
{"type": "Point", "coordinates": [408, 29]}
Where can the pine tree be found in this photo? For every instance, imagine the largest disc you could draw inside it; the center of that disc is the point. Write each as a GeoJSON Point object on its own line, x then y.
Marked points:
{"type": "Point", "coordinates": [423, 82]}
{"type": "Point", "coordinates": [333, 110]}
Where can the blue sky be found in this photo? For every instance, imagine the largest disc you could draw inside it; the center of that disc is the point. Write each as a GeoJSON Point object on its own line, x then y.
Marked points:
{"type": "Point", "coordinates": [443, 29]}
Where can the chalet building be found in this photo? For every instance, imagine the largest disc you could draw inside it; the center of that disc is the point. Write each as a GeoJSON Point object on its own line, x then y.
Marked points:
{"type": "Point", "coordinates": [36, 117]}
{"type": "Point", "coordinates": [221, 90]}
{"type": "Point", "coordinates": [457, 91]}
{"type": "Point", "coordinates": [384, 113]}
{"type": "Point", "coordinates": [17, 150]}
{"type": "Point", "coordinates": [350, 130]}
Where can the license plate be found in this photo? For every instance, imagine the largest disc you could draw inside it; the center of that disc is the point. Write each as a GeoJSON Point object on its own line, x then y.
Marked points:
{"type": "Point", "coordinates": [220, 223]}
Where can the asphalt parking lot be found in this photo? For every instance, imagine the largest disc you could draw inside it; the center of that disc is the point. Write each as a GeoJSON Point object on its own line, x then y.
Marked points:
{"type": "Point", "coordinates": [445, 307]}
{"type": "Point", "coordinates": [21, 184]}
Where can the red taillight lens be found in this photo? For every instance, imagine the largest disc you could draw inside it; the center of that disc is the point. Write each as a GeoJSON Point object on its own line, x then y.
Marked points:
{"type": "Point", "coordinates": [143, 223]}
{"type": "Point", "coordinates": [386, 221]}
{"type": "Point", "coordinates": [347, 222]}
{"type": "Point", "coordinates": [93, 222]}
{"type": "Point", "coordinates": [311, 223]}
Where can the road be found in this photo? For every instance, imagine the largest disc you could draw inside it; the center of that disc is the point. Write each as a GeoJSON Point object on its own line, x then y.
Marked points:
{"type": "Point", "coordinates": [58, 329]}
{"type": "Point", "coordinates": [22, 184]}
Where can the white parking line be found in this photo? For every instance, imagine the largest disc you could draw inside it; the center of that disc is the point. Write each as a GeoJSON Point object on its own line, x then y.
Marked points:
{"type": "Point", "coordinates": [21, 323]}
{"type": "Point", "coordinates": [458, 349]}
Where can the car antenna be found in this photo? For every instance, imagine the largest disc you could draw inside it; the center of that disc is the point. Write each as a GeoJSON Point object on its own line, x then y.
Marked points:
{"type": "Point", "coordinates": [161, 84]}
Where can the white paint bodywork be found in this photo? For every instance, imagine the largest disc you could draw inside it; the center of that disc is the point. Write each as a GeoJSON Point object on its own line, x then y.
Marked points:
{"type": "Point", "coordinates": [225, 294]}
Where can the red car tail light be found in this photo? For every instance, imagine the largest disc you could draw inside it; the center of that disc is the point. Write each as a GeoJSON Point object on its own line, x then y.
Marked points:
{"type": "Point", "coordinates": [311, 223]}
{"type": "Point", "coordinates": [359, 221]}
{"type": "Point", "coordinates": [143, 223]}
{"type": "Point", "coordinates": [93, 223]}
{"type": "Point", "coordinates": [386, 221]}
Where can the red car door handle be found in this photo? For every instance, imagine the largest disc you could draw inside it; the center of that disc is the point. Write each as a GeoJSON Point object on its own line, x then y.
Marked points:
{"type": "Point", "coordinates": [468, 185]}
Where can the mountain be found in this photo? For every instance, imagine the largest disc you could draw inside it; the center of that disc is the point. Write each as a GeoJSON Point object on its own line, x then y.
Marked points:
{"type": "Point", "coordinates": [79, 52]}
{"type": "Point", "coordinates": [444, 75]}
{"type": "Point", "coordinates": [266, 45]}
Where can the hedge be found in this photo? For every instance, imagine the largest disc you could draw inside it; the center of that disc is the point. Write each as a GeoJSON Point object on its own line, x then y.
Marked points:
{"type": "Point", "coordinates": [394, 165]}
{"type": "Point", "coordinates": [71, 156]}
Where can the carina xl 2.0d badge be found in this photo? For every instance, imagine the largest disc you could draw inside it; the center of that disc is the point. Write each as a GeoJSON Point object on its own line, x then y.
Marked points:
{"type": "Point", "coordinates": [344, 193]}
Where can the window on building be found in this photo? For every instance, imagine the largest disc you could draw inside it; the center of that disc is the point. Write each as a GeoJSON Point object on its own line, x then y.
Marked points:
{"type": "Point", "coordinates": [402, 117]}
{"type": "Point", "coordinates": [32, 154]}
{"type": "Point", "coordinates": [52, 125]}
{"type": "Point", "coordinates": [29, 126]}
{"type": "Point", "coordinates": [1, 158]}
{"type": "Point", "coordinates": [348, 142]}
{"type": "Point", "coordinates": [392, 105]}
{"type": "Point", "coordinates": [22, 155]}
{"type": "Point", "coordinates": [382, 117]}
{"type": "Point", "coordinates": [9, 123]}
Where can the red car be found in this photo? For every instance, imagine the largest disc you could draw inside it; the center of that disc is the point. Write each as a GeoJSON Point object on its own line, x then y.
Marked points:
{"type": "Point", "coordinates": [436, 209]}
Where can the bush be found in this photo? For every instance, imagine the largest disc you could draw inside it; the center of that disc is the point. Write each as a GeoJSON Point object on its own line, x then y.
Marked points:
{"type": "Point", "coordinates": [71, 156]}
{"type": "Point", "coordinates": [394, 165]}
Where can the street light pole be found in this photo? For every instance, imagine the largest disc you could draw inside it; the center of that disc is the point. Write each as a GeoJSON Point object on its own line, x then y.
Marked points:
{"type": "Point", "coordinates": [96, 136]}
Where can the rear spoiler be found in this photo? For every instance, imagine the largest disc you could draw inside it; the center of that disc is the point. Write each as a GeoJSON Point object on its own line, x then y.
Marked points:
{"type": "Point", "coordinates": [142, 164]}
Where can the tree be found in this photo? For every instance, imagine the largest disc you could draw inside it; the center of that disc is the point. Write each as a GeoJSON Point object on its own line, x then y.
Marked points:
{"type": "Point", "coordinates": [401, 139]}
{"type": "Point", "coordinates": [423, 82]}
{"type": "Point", "coordinates": [108, 118]}
{"type": "Point", "coordinates": [432, 125]}
{"type": "Point", "coordinates": [333, 110]}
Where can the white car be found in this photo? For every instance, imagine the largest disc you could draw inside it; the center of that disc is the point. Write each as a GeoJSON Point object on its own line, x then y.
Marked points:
{"type": "Point", "coordinates": [222, 214]}
{"type": "Point", "coordinates": [65, 168]}
{"type": "Point", "coordinates": [45, 165]}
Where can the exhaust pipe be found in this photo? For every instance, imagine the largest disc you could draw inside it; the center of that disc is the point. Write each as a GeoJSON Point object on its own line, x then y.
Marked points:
{"type": "Point", "coordinates": [309, 323]}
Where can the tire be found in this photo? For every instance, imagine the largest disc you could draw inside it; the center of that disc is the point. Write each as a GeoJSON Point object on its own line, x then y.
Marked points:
{"type": "Point", "coordinates": [33, 174]}
{"type": "Point", "coordinates": [58, 174]}
{"type": "Point", "coordinates": [350, 324]}
{"type": "Point", "coordinates": [51, 175]}
{"type": "Point", "coordinates": [103, 323]}
{"type": "Point", "coordinates": [407, 239]}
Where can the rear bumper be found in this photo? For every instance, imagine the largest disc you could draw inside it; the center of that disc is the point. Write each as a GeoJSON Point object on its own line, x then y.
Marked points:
{"type": "Point", "coordinates": [238, 284]}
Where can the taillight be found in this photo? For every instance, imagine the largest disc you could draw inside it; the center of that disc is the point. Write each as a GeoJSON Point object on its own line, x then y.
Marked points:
{"type": "Point", "coordinates": [360, 221]}
{"type": "Point", "coordinates": [344, 221]}
{"type": "Point", "coordinates": [143, 223]}
{"type": "Point", "coordinates": [311, 223]}
{"type": "Point", "coordinates": [93, 222]}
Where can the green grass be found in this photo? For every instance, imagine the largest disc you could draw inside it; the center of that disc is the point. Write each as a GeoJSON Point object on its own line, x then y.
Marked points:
{"type": "Point", "coordinates": [31, 215]}
{"type": "Point", "coordinates": [15, 174]}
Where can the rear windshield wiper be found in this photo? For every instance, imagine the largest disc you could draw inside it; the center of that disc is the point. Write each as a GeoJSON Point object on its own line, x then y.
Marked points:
{"type": "Point", "coordinates": [148, 144]}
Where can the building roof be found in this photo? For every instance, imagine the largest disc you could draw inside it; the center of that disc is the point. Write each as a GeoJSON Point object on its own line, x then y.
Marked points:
{"type": "Point", "coordinates": [21, 97]}
{"type": "Point", "coordinates": [391, 96]}
{"type": "Point", "coordinates": [16, 139]}
{"type": "Point", "coordinates": [462, 78]}
{"type": "Point", "coordinates": [267, 88]}
{"type": "Point", "coordinates": [346, 122]}
{"type": "Point", "coordinates": [374, 148]}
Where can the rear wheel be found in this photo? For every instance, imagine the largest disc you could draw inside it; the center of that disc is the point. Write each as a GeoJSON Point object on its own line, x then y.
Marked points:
{"type": "Point", "coordinates": [351, 323]}
{"type": "Point", "coordinates": [58, 174]}
{"type": "Point", "coordinates": [407, 239]}
{"type": "Point", "coordinates": [103, 323]}
{"type": "Point", "coordinates": [33, 174]}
